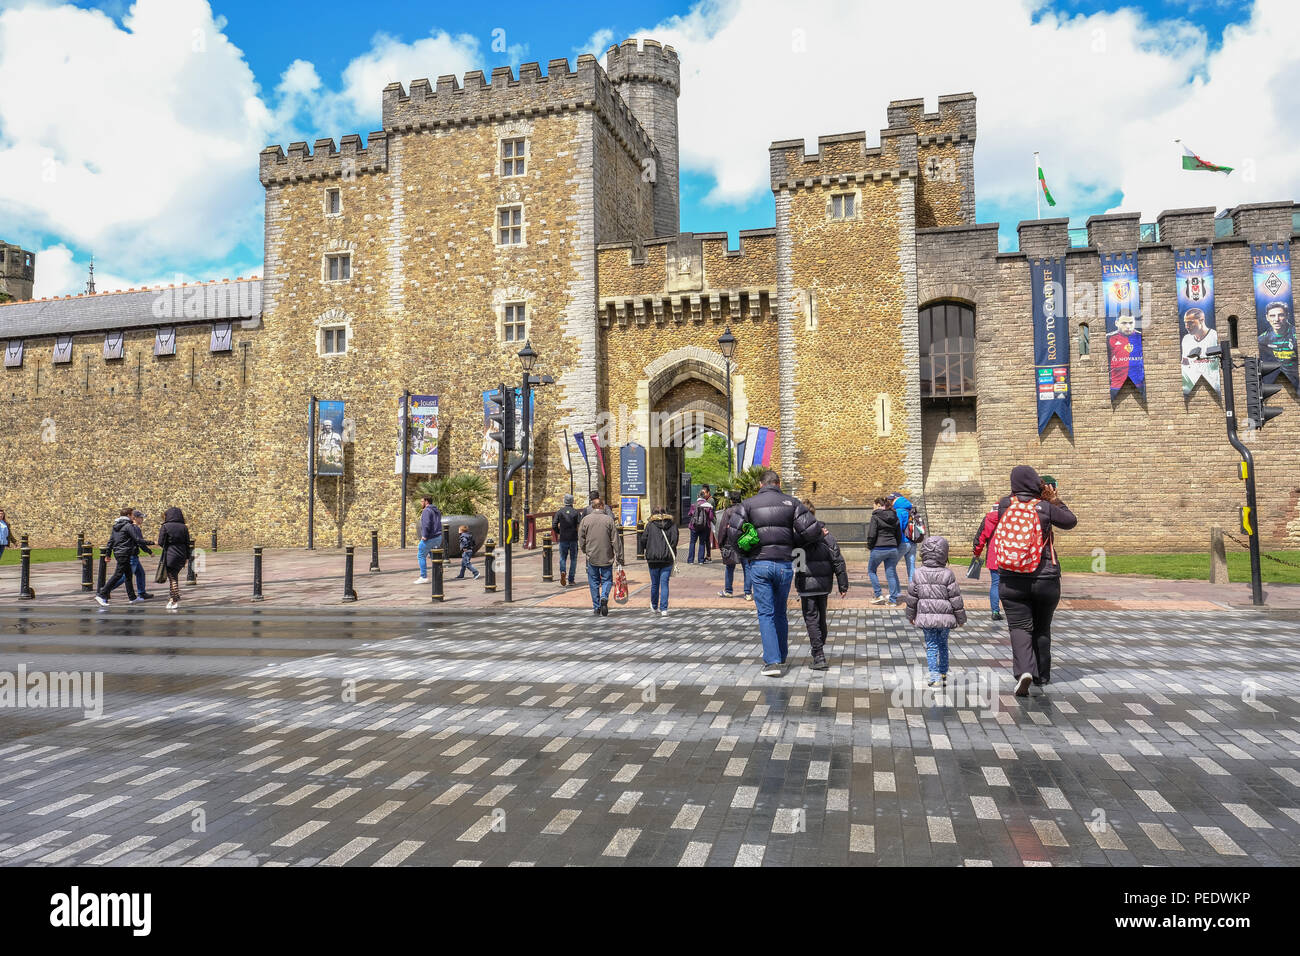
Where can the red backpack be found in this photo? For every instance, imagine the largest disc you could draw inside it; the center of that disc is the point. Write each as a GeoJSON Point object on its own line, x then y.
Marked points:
{"type": "Point", "coordinates": [1018, 539]}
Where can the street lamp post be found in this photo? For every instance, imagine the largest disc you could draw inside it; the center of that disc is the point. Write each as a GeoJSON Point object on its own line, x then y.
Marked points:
{"type": "Point", "coordinates": [727, 343]}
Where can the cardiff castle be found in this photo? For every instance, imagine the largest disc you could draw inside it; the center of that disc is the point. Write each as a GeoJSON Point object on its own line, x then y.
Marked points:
{"type": "Point", "coordinates": [883, 340]}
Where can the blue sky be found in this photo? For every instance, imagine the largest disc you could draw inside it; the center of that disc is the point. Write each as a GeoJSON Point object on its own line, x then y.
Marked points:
{"type": "Point", "coordinates": [1089, 112]}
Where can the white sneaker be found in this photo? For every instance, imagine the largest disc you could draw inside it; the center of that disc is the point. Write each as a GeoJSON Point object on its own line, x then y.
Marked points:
{"type": "Point", "coordinates": [1023, 685]}
{"type": "Point", "coordinates": [136, 600]}
{"type": "Point", "coordinates": [172, 605]}
{"type": "Point", "coordinates": [103, 602]}
{"type": "Point", "coordinates": [421, 580]}
{"type": "Point", "coordinates": [879, 600]}
{"type": "Point", "coordinates": [749, 597]}
{"type": "Point", "coordinates": [771, 670]}
{"type": "Point", "coordinates": [664, 612]}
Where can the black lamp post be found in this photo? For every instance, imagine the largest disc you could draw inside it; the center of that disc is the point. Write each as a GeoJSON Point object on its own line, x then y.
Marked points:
{"type": "Point", "coordinates": [727, 344]}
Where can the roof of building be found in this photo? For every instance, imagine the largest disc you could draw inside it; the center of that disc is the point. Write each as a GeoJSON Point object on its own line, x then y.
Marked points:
{"type": "Point", "coordinates": [239, 298]}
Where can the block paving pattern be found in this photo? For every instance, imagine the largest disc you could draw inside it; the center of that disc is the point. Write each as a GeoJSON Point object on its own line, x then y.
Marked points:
{"type": "Point", "coordinates": [546, 737]}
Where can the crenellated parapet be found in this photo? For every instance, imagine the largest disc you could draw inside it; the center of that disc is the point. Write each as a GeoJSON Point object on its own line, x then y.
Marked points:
{"type": "Point", "coordinates": [479, 99]}
{"type": "Point", "coordinates": [650, 62]}
{"type": "Point", "coordinates": [299, 163]}
{"type": "Point", "coordinates": [843, 159]}
{"type": "Point", "coordinates": [954, 121]}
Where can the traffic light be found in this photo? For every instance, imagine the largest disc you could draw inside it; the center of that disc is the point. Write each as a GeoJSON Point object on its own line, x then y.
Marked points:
{"type": "Point", "coordinates": [504, 416]}
{"type": "Point", "coordinates": [1261, 385]}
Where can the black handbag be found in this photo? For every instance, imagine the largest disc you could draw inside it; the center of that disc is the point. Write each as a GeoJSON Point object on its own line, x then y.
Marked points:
{"type": "Point", "coordinates": [160, 576]}
{"type": "Point", "coordinates": [973, 571]}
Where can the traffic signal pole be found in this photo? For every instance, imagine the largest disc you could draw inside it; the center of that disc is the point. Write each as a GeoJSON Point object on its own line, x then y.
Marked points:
{"type": "Point", "coordinates": [1250, 516]}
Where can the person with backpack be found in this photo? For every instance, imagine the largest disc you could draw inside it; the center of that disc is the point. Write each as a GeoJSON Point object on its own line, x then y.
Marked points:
{"type": "Point", "coordinates": [732, 555]}
{"type": "Point", "coordinates": [822, 568]}
{"type": "Point", "coordinates": [984, 538]}
{"type": "Point", "coordinates": [7, 533]}
{"type": "Point", "coordinates": [883, 539]}
{"type": "Point", "coordinates": [430, 537]}
{"type": "Point", "coordinates": [565, 525]}
{"type": "Point", "coordinates": [934, 605]}
{"type": "Point", "coordinates": [769, 527]}
{"type": "Point", "coordinates": [700, 520]}
{"type": "Point", "coordinates": [177, 546]}
{"type": "Point", "coordinates": [125, 541]}
{"type": "Point", "coordinates": [909, 534]}
{"type": "Point", "coordinates": [1029, 571]}
{"type": "Point", "coordinates": [658, 542]}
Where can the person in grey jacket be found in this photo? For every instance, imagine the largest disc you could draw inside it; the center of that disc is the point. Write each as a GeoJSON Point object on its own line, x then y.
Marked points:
{"type": "Point", "coordinates": [934, 604]}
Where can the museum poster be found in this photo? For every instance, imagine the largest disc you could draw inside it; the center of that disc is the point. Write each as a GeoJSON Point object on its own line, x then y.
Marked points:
{"type": "Point", "coordinates": [1051, 342]}
{"type": "Point", "coordinates": [1119, 283]}
{"type": "Point", "coordinates": [422, 436]}
{"type": "Point", "coordinates": [1194, 276]}
{"type": "Point", "coordinates": [1274, 308]}
{"type": "Point", "coordinates": [329, 438]}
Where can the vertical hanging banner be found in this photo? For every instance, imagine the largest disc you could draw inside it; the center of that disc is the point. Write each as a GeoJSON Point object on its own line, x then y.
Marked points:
{"type": "Point", "coordinates": [329, 438]}
{"type": "Point", "coordinates": [757, 447]}
{"type": "Point", "coordinates": [1051, 342]}
{"type": "Point", "coordinates": [422, 436]}
{"type": "Point", "coordinates": [1119, 283]}
{"type": "Point", "coordinates": [1274, 312]}
{"type": "Point", "coordinates": [1194, 278]}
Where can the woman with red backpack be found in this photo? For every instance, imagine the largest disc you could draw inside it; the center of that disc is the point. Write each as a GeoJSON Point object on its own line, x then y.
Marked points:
{"type": "Point", "coordinates": [1029, 571]}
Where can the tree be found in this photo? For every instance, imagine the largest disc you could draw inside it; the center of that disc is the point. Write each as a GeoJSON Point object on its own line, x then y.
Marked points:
{"type": "Point", "coordinates": [709, 467]}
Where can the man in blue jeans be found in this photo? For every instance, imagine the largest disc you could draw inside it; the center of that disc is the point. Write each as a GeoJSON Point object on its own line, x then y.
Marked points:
{"type": "Point", "coordinates": [784, 525]}
{"type": "Point", "coordinates": [602, 545]}
{"type": "Point", "coordinates": [565, 525]}
{"type": "Point", "coordinates": [430, 537]}
{"type": "Point", "coordinates": [884, 538]}
{"type": "Point", "coordinates": [906, 546]}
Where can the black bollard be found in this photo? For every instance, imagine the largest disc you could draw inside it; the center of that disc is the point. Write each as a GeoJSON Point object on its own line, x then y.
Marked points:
{"type": "Point", "coordinates": [103, 567]}
{"type": "Point", "coordinates": [190, 576]}
{"type": "Point", "coordinates": [25, 592]}
{"type": "Point", "coordinates": [22, 541]}
{"type": "Point", "coordinates": [81, 542]}
{"type": "Point", "coordinates": [374, 551]}
{"type": "Point", "coordinates": [214, 539]}
{"type": "Point", "coordinates": [257, 574]}
{"type": "Point", "coordinates": [349, 593]}
{"type": "Point", "coordinates": [640, 549]}
{"type": "Point", "coordinates": [87, 556]}
{"type": "Point", "coordinates": [547, 557]}
{"type": "Point", "coordinates": [489, 567]}
{"type": "Point", "coordinates": [436, 577]}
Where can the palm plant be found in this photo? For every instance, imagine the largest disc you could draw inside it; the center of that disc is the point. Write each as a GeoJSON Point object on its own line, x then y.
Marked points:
{"type": "Point", "coordinates": [744, 482]}
{"type": "Point", "coordinates": [461, 494]}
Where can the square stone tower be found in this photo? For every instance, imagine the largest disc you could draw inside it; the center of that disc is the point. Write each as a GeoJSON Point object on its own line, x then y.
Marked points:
{"type": "Point", "coordinates": [649, 81]}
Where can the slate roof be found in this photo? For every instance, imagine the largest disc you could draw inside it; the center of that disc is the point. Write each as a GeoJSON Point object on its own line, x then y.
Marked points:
{"type": "Point", "coordinates": [141, 308]}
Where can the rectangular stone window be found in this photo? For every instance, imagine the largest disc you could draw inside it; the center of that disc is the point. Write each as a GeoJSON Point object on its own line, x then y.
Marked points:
{"type": "Point", "coordinates": [946, 336]}
{"type": "Point", "coordinates": [334, 341]}
{"type": "Point", "coordinates": [334, 202]}
{"type": "Point", "coordinates": [843, 205]}
{"type": "Point", "coordinates": [510, 225]}
{"type": "Point", "coordinates": [338, 267]}
{"type": "Point", "coordinates": [512, 157]}
{"type": "Point", "coordinates": [514, 322]}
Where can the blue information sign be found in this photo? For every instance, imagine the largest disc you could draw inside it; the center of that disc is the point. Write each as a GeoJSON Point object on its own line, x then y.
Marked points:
{"type": "Point", "coordinates": [631, 469]}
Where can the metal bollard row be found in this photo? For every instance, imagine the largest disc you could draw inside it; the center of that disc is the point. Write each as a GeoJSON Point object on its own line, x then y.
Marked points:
{"type": "Point", "coordinates": [547, 557]}
{"type": "Point", "coordinates": [489, 567]}
{"type": "Point", "coordinates": [349, 592]}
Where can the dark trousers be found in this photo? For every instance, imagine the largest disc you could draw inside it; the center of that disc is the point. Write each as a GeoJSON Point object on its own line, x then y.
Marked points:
{"type": "Point", "coordinates": [814, 615]}
{"type": "Point", "coordinates": [1029, 603]}
{"type": "Point", "coordinates": [702, 538]}
{"type": "Point", "coordinates": [122, 573]}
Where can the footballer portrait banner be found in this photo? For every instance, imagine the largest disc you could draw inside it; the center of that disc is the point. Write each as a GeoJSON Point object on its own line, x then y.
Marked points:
{"type": "Point", "coordinates": [1194, 277]}
{"type": "Point", "coordinates": [1274, 308]}
{"type": "Point", "coordinates": [1051, 342]}
{"type": "Point", "coordinates": [329, 438]}
{"type": "Point", "coordinates": [1119, 283]}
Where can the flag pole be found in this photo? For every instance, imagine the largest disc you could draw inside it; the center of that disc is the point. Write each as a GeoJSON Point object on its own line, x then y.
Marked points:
{"type": "Point", "coordinates": [1038, 191]}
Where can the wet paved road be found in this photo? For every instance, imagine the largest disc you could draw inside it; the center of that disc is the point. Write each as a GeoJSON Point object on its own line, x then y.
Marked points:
{"type": "Point", "coordinates": [244, 737]}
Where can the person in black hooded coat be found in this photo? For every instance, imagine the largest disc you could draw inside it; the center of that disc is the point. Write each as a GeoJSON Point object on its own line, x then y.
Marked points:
{"type": "Point", "coordinates": [177, 546]}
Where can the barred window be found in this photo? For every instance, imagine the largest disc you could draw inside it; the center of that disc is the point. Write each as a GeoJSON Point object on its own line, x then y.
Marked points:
{"type": "Point", "coordinates": [947, 345]}
{"type": "Point", "coordinates": [510, 225]}
{"type": "Point", "coordinates": [512, 157]}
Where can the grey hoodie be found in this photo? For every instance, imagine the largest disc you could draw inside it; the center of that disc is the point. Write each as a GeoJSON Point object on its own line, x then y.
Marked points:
{"type": "Point", "coordinates": [933, 596]}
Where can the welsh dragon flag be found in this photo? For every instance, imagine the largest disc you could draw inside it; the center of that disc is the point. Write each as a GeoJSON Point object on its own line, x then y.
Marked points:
{"type": "Point", "coordinates": [1042, 182]}
{"type": "Point", "coordinates": [1192, 161]}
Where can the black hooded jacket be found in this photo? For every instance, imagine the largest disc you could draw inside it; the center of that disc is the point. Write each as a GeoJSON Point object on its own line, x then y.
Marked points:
{"type": "Point", "coordinates": [1026, 485]}
{"type": "Point", "coordinates": [825, 568]}
{"type": "Point", "coordinates": [126, 541]}
{"type": "Point", "coordinates": [175, 541]}
{"type": "Point", "coordinates": [659, 540]}
{"type": "Point", "coordinates": [782, 523]}
{"type": "Point", "coordinates": [884, 530]}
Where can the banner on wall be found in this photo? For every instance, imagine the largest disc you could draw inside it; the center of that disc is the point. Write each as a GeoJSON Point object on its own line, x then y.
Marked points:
{"type": "Point", "coordinates": [422, 436]}
{"type": "Point", "coordinates": [1274, 308]}
{"type": "Point", "coordinates": [1051, 342]}
{"type": "Point", "coordinates": [329, 438]}
{"type": "Point", "coordinates": [1194, 277]}
{"type": "Point", "coordinates": [1119, 283]}
{"type": "Point", "coordinates": [631, 469]}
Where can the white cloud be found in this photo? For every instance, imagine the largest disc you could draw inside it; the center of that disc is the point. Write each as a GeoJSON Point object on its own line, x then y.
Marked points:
{"type": "Point", "coordinates": [1102, 96]}
{"type": "Point", "coordinates": [59, 271]}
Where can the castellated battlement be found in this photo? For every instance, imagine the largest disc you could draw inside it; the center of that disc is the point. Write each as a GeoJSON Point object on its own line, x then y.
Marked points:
{"type": "Point", "coordinates": [843, 159]}
{"type": "Point", "coordinates": [324, 162]}
{"type": "Point", "coordinates": [651, 62]}
{"type": "Point", "coordinates": [505, 96]}
{"type": "Point", "coordinates": [954, 122]}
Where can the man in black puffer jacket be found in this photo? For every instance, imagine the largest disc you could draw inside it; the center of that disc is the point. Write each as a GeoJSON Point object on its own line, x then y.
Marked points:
{"type": "Point", "coordinates": [821, 569]}
{"type": "Point", "coordinates": [783, 524]}
{"type": "Point", "coordinates": [125, 542]}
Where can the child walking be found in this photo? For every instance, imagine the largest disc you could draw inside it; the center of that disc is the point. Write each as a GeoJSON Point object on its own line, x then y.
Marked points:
{"type": "Point", "coordinates": [823, 570]}
{"type": "Point", "coordinates": [934, 605]}
{"type": "Point", "coordinates": [466, 552]}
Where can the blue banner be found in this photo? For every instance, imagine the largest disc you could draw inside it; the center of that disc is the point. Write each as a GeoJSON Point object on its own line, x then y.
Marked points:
{"type": "Point", "coordinates": [1274, 312]}
{"type": "Point", "coordinates": [1119, 284]}
{"type": "Point", "coordinates": [329, 438]}
{"type": "Point", "coordinates": [1194, 278]}
{"type": "Point", "coordinates": [1051, 342]}
{"type": "Point", "coordinates": [631, 469]}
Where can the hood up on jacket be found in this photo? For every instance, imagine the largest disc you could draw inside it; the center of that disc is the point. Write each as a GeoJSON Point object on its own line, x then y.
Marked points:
{"type": "Point", "coordinates": [121, 520]}
{"type": "Point", "coordinates": [934, 552]}
{"type": "Point", "coordinates": [173, 515]}
{"type": "Point", "coordinates": [1025, 481]}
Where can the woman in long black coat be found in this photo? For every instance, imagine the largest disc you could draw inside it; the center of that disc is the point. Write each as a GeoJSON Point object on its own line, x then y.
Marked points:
{"type": "Point", "coordinates": [177, 546]}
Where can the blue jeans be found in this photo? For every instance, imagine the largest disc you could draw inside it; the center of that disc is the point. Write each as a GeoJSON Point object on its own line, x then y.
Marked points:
{"type": "Point", "coordinates": [889, 557]}
{"type": "Point", "coordinates": [730, 575]}
{"type": "Point", "coordinates": [423, 553]}
{"type": "Point", "coordinates": [703, 538]}
{"type": "Point", "coordinates": [993, 590]}
{"type": "Point", "coordinates": [907, 551]}
{"type": "Point", "coordinates": [659, 575]}
{"type": "Point", "coordinates": [771, 583]}
{"type": "Point", "coordinates": [936, 650]}
{"type": "Point", "coordinates": [138, 570]}
{"type": "Point", "coordinates": [467, 564]}
{"type": "Point", "coordinates": [600, 580]}
{"type": "Point", "coordinates": [569, 550]}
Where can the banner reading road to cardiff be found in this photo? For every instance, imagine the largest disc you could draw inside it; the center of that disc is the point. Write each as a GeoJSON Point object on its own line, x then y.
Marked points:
{"type": "Point", "coordinates": [1274, 309]}
{"type": "Point", "coordinates": [329, 438]}
{"type": "Point", "coordinates": [1194, 278]}
{"type": "Point", "coordinates": [1051, 342]}
{"type": "Point", "coordinates": [1119, 283]}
